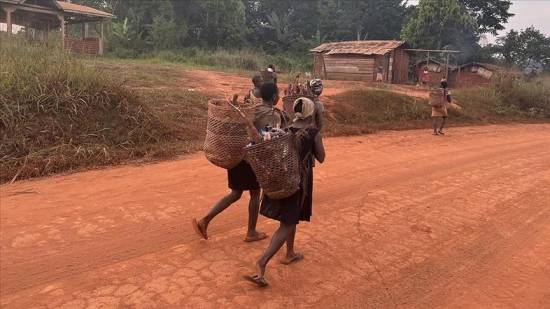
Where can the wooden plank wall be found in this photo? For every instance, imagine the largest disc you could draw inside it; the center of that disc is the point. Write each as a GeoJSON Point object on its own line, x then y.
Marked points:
{"type": "Point", "coordinates": [400, 66]}
{"type": "Point", "coordinates": [350, 67]}
{"type": "Point", "coordinates": [318, 65]}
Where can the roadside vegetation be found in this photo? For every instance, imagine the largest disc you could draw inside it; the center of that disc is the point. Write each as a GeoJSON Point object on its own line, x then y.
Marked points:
{"type": "Point", "coordinates": [58, 114]}
{"type": "Point", "coordinates": [363, 111]}
{"type": "Point", "coordinates": [505, 100]}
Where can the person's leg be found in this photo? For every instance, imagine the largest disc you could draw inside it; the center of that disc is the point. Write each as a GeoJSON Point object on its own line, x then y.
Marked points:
{"type": "Point", "coordinates": [253, 210]}
{"type": "Point", "coordinates": [435, 124]}
{"type": "Point", "coordinates": [291, 255]}
{"type": "Point", "coordinates": [220, 206]}
{"type": "Point", "coordinates": [277, 241]}
{"type": "Point", "coordinates": [443, 120]}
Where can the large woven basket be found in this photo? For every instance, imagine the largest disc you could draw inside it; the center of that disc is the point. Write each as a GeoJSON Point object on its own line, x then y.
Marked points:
{"type": "Point", "coordinates": [275, 163]}
{"type": "Point", "coordinates": [226, 134]}
{"type": "Point", "coordinates": [288, 103]}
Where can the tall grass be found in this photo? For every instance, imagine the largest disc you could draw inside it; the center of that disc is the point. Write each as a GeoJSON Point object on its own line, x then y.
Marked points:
{"type": "Point", "coordinates": [509, 98]}
{"type": "Point", "coordinates": [367, 110]}
{"type": "Point", "coordinates": [239, 60]}
{"type": "Point", "coordinates": [57, 114]}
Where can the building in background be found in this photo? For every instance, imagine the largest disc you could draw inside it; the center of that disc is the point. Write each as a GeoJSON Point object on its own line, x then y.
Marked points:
{"type": "Point", "coordinates": [41, 17]}
{"type": "Point", "coordinates": [362, 60]}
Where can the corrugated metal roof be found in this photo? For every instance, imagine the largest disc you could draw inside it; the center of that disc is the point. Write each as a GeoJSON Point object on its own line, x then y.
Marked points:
{"type": "Point", "coordinates": [358, 47]}
{"type": "Point", "coordinates": [81, 9]}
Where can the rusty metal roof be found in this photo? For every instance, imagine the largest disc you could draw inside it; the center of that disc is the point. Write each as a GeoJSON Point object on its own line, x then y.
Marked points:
{"type": "Point", "coordinates": [81, 9]}
{"type": "Point", "coordinates": [358, 47]}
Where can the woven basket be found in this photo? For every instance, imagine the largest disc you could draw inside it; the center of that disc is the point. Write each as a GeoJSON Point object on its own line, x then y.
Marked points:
{"type": "Point", "coordinates": [288, 103]}
{"type": "Point", "coordinates": [226, 134]}
{"type": "Point", "coordinates": [275, 163]}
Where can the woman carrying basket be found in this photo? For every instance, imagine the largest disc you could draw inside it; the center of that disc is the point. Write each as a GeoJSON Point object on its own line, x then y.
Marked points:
{"type": "Point", "coordinates": [241, 178]}
{"type": "Point", "coordinates": [298, 207]}
{"type": "Point", "coordinates": [439, 100]}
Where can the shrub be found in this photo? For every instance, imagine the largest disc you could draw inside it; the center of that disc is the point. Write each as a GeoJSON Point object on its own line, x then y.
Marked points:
{"type": "Point", "coordinates": [506, 97]}
{"type": "Point", "coordinates": [367, 110]}
{"type": "Point", "coordinates": [57, 114]}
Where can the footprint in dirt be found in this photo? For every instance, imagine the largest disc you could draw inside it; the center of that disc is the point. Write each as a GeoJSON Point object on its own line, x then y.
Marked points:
{"type": "Point", "coordinates": [421, 228]}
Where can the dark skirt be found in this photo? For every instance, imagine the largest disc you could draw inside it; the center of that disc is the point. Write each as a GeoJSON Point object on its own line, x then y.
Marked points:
{"type": "Point", "coordinates": [242, 178]}
{"type": "Point", "coordinates": [291, 210]}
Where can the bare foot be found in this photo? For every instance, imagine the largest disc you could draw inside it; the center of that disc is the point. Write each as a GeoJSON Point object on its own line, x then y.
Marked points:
{"type": "Point", "coordinates": [200, 228]}
{"type": "Point", "coordinates": [292, 258]}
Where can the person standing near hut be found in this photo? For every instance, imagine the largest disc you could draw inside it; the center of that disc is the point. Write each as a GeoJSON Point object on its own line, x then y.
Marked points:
{"type": "Point", "coordinates": [379, 75]}
{"type": "Point", "coordinates": [439, 100]}
{"type": "Point", "coordinates": [425, 77]}
{"type": "Point", "coordinates": [298, 207]}
{"type": "Point", "coordinates": [242, 178]}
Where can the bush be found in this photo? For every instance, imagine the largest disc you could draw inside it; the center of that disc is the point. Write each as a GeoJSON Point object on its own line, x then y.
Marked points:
{"type": "Point", "coordinates": [57, 114]}
{"type": "Point", "coordinates": [506, 97]}
{"type": "Point", "coordinates": [246, 60]}
{"type": "Point", "coordinates": [532, 98]}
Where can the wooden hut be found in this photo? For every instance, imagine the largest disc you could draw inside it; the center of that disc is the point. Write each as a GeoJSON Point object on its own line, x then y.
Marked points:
{"type": "Point", "coordinates": [46, 15]}
{"type": "Point", "coordinates": [361, 60]}
{"type": "Point", "coordinates": [477, 74]}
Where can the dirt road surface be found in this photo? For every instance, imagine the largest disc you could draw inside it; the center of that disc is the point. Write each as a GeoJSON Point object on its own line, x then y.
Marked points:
{"type": "Point", "coordinates": [401, 219]}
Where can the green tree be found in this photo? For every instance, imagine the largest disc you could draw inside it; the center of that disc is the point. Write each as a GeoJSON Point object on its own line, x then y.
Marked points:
{"type": "Point", "coordinates": [223, 23]}
{"type": "Point", "coordinates": [491, 15]}
{"type": "Point", "coordinates": [372, 19]}
{"type": "Point", "coordinates": [440, 23]}
{"type": "Point", "coordinates": [525, 47]}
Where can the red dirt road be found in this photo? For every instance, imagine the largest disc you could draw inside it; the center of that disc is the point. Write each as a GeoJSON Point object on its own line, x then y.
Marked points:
{"type": "Point", "coordinates": [401, 219]}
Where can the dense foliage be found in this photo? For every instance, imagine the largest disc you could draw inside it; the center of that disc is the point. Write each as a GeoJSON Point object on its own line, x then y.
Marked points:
{"type": "Point", "coordinates": [292, 27]}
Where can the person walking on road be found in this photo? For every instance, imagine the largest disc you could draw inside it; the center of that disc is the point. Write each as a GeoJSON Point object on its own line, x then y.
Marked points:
{"type": "Point", "coordinates": [298, 207]}
{"type": "Point", "coordinates": [254, 96]}
{"type": "Point", "coordinates": [439, 100]}
{"type": "Point", "coordinates": [242, 178]}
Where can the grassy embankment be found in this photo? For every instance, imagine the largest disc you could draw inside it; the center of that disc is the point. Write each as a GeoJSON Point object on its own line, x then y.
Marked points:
{"type": "Point", "coordinates": [59, 112]}
{"type": "Point", "coordinates": [504, 101]}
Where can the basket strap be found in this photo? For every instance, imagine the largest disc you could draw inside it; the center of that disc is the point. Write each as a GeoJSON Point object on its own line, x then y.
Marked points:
{"type": "Point", "coordinates": [304, 171]}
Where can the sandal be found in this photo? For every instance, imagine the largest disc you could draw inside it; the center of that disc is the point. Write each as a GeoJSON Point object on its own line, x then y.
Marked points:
{"type": "Point", "coordinates": [257, 280]}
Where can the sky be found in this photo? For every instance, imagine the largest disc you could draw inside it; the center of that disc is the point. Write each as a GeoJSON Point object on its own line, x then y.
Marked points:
{"type": "Point", "coordinates": [528, 13]}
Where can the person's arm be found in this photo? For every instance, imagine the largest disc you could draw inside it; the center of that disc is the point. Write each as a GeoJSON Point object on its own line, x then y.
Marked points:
{"type": "Point", "coordinates": [319, 115]}
{"type": "Point", "coordinates": [319, 152]}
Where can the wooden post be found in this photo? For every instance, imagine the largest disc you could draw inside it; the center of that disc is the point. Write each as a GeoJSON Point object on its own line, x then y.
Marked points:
{"type": "Point", "coordinates": [458, 77]}
{"type": "Point", "coordinates": [447, 68]}
{"type": "Point", "coordinates": [9, 22]}
{"type": "Point", "coordinates": [62, 21]}
{"type": "Point", "coordinates": [428, 60]}
{"type": "Point", "coordinates": [100, 51]}
{"type": "Point", "coordinates": [83, 31]}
